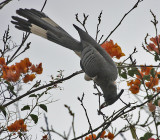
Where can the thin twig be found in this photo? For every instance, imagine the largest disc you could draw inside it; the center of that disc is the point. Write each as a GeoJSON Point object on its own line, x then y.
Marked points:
{"type": "Point", "coordinates": [99, 22]}
{"type": "Point", "coordinates": [21, 45]}
{"type": "Point", "coordinates": [155, 22]}
{"type": "Point", "coordinates": [135, 6]}
{"type": "Point", "coordinates": [114, 117]}
{"type": "Point", "coordinates": [130, 66]}
{"type": "Point", "coordinates": [47, 126]}
{"type": "Point", "coordinates": [130, 56]}
{"type": "Point", "coordinates": [81, 100]}
{"type": "Point", "coordinates": [84, 21]}
{"type": "Point", "coordinates": [2, 4]}
{"type": "Point", "coordinates": [52, 130]}
{"type": "Point", "coordinates": [43, 5]}
{"type": "Point", "coordinates": [42, 87]}
{"type": "Point", "coordinates": [72, 114]}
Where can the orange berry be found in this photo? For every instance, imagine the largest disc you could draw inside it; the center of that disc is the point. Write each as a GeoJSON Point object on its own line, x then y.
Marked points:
{"type": "Point", "coordinates": [87, 138]}
{"type": "Point", "coordinates": [28, 78]}
{"type": "Point", "coordinates": [137, 82]}
{"type": "Point", "coordinates": [158, 89]}
{"type": "Point", "coordinates": [2, 61]}
{"type": "Point", "coordinates": [134, 89]}
{"type": "Point", "coordinates": [17, 125]}
{"type": "Point", "coordinates": [151, 107]}
{"type": "Point", "coordinates": [110, 136]}
{"type": "Point", "coordinates": [130, 83]}
{"type": "Point", "coordinates": [38, 69]}
{"type": "Point", "coordinates": [113, 49]}
{"type": "Point", "coordinates": [102, 134]}
{"type": "Point", "coordinates": [91, 137]}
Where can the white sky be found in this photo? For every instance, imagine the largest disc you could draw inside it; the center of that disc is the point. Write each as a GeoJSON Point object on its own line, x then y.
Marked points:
{"type": "Point", "coordinates": [130, 34]}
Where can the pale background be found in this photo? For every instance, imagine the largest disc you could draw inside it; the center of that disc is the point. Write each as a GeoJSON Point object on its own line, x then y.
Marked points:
{"type": "Point", "coordinates": [130, 34]}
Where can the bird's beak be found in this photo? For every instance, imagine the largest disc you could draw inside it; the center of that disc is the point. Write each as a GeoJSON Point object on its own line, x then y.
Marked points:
{"type": "Point", "coordinates": [118, 96]}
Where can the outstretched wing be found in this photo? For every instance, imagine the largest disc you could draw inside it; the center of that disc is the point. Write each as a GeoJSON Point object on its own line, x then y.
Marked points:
{"type": "Point", "coordinates": [38, 23]}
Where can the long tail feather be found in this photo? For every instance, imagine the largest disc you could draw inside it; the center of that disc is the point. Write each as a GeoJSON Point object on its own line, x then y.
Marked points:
{"type": "Point", "coordinates": [40, 24]}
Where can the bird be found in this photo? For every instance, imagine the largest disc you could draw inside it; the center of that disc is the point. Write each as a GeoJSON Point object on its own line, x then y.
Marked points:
{"type": "Point", "coordinates": [94, 60]}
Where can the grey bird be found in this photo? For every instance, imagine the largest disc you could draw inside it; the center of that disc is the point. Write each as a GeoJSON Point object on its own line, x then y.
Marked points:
{"type": "Point", "coordinates": [94, 60]}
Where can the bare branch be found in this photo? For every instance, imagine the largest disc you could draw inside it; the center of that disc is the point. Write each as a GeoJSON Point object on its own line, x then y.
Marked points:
{"type": "Point", "coordinates": [42, 87]}
{"type": "Point", "coordinates": [135, 6]}
{"type": "Point", "coordinates": [99, 21]}
{"type": "Point", "coordinates": [2, 4]}
{"type": "Point", "coordinates": [83, 23]}
{"type": "Point", "coordinates": [81, 100]}
{"type": "Point", "coordinates": [115, 116]}
{"type": "Point", "coordinates": [44, 5]}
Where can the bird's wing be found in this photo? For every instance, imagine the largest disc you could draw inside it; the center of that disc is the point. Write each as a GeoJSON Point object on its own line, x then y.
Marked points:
{"type": "Point", "coordinates": [105, 63]}
{"type": "Point", "coordinates": [93, 63]}
{"type": "Point", "coordinates": [95, 66]}
{"type": "Point", "coordinates": [88, 61]}
{"type": "Point", "coordinates": [38, 23]}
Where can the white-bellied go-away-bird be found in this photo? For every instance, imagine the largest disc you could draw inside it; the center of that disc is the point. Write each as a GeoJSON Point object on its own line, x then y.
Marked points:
{"type": "Point", "coordinates": [94, 60]}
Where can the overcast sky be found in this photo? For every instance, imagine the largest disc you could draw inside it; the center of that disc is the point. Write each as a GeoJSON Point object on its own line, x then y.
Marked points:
{"type": "Point", "coordinates": [130, 34]}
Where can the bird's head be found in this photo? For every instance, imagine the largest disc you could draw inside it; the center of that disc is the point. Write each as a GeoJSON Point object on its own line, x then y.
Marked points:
{"type": "Point", "coordinates": [110, 94]}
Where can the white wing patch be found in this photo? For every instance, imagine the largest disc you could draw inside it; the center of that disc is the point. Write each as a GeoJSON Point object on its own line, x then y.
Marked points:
{"type": "Point", "coordinates": [48, 20]}
{"type": "Point", "coordinates": [38, 31]}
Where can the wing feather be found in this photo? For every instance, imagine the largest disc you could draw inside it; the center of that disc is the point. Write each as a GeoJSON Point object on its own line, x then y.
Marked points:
{"type": "Point", "coordinates": [95, 65]}
{"type": "Point", "coordinates": [90, 61]}
{"type": "Point", "coordinates": [40, 24]}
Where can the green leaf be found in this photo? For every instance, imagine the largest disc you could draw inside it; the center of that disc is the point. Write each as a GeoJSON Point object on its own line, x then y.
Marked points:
{"type": "Point", "coordinates": [142, 138]}
{"type": "Point", "coordinates": [44, 107]}
{"type": "Point", "coordinates": [159, 76]}
{"type": "Point", "coordinates": [123, 75]}
{"type": "Point", "coordinates": [32, 95]}
{"type": "Point", "coordinates": [156, 58]}
{"type": "Point", "coordinates": [153, 72]}
{"type": "Point", "coordinates": [133, 131]}
{"type": "Point", "coordinates": [131, 73]}
{"type": "Point", "coordinates": [156, 101]}
{"type": "Point", "coordinates": [3, 110]}
{"type": "Point", "coordinates": [158, 123]}
{"type": "Point", "coordinates": [8, 83]}
{"type": "Point", "coordinates": [37, 84]}
{"type": "Point", "coordinates": [34, 118]}
{"type": "Point", "coordinates": [147, 135]}
{"type": "Point", "coordinates": [146, 77]}
{"type": "Point", "coordinates": [10, 88]}
{"type": "Point", "coordinates": [119, 71]}
{"type": "Point", "coordinates": [135, 70]}
{"type": "Point", "coordinates": [39, 95]}
{"type": "Point", "coordinates": [49, 88]}
{"type": "Point", "coordinates": [26, 107]}
{"type": "Point", "coordinates": [148, 97]}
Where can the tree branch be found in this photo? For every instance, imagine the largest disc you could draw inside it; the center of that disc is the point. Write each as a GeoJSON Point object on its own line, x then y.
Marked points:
{"type": "Point", "coordinates": [135, 6]}
{"type": "Point", "coordinates": [42, 87]}
{"type": "Point", "coordinates": [115, 116]}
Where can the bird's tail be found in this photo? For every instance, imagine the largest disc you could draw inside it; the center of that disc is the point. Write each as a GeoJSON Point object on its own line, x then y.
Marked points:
{"type": "Point", "coordinates": [41, 25]}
